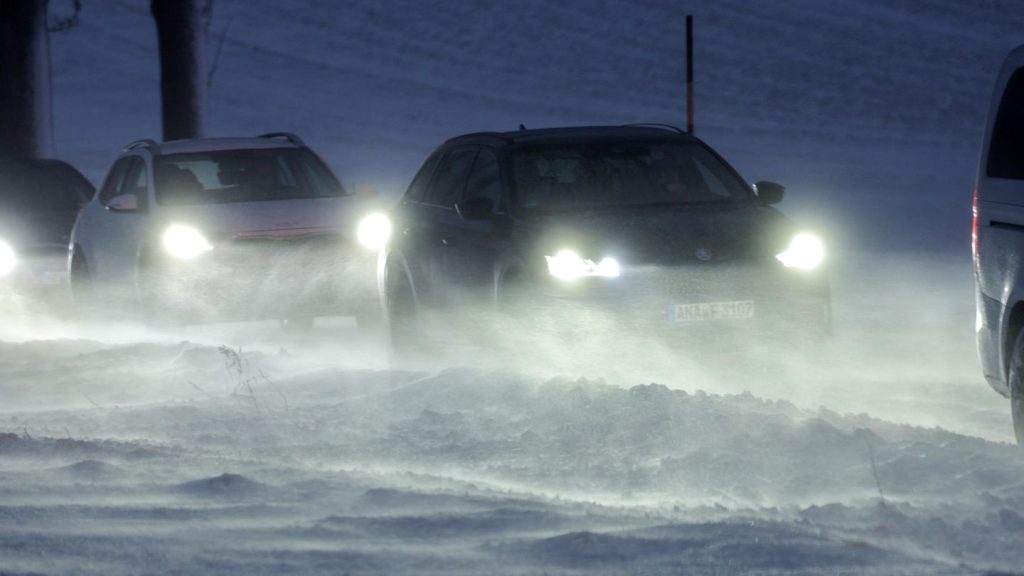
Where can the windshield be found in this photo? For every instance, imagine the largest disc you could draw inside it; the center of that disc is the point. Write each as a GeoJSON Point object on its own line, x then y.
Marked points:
{"type": "Point", "coordinates": [608, 175]}
{"type": "Point", "coordinates": [222, 176]}
{"type": "Point", "coordinates": [42, 187]}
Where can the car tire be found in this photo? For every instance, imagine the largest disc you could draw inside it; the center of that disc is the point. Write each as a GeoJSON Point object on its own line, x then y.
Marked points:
{"type": "Point", "coordinates": [401, 311]}
{"type": "Point", "coordinates": [83, 293]}
{"type": "Point", "coordinates": [519, 319]}
{"type": "Point", "coordinates": [152, 301]}
{"type": "Point", "coordinates": [1016, 384]}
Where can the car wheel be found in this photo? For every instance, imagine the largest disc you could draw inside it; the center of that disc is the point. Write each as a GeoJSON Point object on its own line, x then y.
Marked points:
{"type": "Point", "coordinates": [401, 311]}
{"type": "Point", "coordinates": [520, 320]}
{"type": "Point", "coordinates": [153, 303]}
{"type": "Point", "coordinates": [1016, 382]}
{"type": "Point", "coordinates": [82, 290]}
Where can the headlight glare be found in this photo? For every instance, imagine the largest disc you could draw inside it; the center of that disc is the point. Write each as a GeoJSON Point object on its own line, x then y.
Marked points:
{"type": "Point", "coordinates": [568, 265]}
{"type": "Point", "coordinates": [374, 231]}
{"type": "Point", "coordinates": [805, 252]}
{"type": "Point", "coordinates": [185, 242]}
{"type": "Point", "coordinates": [8, 259]}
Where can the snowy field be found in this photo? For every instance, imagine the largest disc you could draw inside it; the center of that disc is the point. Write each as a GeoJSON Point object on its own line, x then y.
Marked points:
{"type": "Point", "coordinates": [237, 449]}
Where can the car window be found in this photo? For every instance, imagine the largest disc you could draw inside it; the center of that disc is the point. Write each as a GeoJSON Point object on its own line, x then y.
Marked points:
{"type": "Point", "coordinates": [608, 175]}
{"type": "Point", "coordinates": [321, 180]}
{"type": "Point", "coordinates": [712, 179]}
{"type": "Point", "coordinates": [1006, 150]}
{"type": "Point", "coordinates": [485, 180]}
{"type": "Point", "coordinates": [112, 185]}
{"type": "Point", "coordinates": [417, 191]}
{"type": "Point", "coordinates": [450, 179]}
{"type": "Point", "coordinates": [223, 176]}
{"type": "Point", "coordinates": [137, 180]}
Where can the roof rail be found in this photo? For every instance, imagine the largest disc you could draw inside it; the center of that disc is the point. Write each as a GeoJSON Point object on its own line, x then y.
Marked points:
{"type": "Point", "coordinates": [144, 143]}
{"type": "Point", "coordinates": [470, 135]}
{"type": "Point", "coordinates": [286, 135]}
{"type": "Point", "coordinates": [669, 127]}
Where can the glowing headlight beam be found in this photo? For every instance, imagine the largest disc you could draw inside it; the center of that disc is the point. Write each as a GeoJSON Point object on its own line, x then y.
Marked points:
{"type": "Point", "coordinates": [805, 252]}
{"type": "Point", "coordinates": [8, 259]}
{"type": "Point", "coordinates": [185, 242]}
{"type": "Point", "coordinates": [374, 231]}
{"type": "Point", "coordinates": [568, 265]}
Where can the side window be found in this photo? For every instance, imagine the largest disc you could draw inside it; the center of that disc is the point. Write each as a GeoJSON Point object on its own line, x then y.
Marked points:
{"type": "Point", "coordinates": [1006, 150]}
{"type": "Point", "coordinates": [417, 191]}
{"type": "Point", "coordinates": [485, 181]}
{"type": "Point", "coordinates": [113, 184]}
{"type": "Point", "coordinates": [714, 185]}
{"type": "Point", "coordinates": [137, 180]}
{"type": "Point", "coordinates": [319, 177]}
{"type": "Point", "coordinates": [447, 185]}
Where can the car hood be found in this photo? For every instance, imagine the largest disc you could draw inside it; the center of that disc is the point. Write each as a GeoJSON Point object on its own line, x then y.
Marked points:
{"type": "Point", "coordinates": [29, 230]}
{"type": "Point", "coordinates": [288, 217]}
{"type": "Point", "coordinates": [666, 235]}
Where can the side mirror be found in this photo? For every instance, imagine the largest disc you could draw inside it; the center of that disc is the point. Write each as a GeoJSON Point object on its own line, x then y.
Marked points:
{"type": "Point", "coordinates": [769, 192]}
{"type": "Point", "coordinates": [123, 203]}
{"type": "Point", "coordinates": [478, 208]}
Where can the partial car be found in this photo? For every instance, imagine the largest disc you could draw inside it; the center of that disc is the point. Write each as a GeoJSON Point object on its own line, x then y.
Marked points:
{"type": "Point", "coordinates": [998, 240]}
{"type": "Point", "coordinates": [39, 200]}
{"type": "Point", "coordinates": [643, 226]}
{"type": "Point", "coordinates": [223, 228]}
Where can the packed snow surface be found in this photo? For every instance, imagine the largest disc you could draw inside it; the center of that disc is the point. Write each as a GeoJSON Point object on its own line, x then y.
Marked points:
{"type": "Point", "coordinates": [237, 449]}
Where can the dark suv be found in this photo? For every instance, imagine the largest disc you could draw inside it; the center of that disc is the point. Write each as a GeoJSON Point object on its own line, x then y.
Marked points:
{"type": "Point", "coordinates": [39, 200]}
{"type": "Point", "coordinates": [998, 240]}
{"type": "Point", "coordinates": [643, 223]}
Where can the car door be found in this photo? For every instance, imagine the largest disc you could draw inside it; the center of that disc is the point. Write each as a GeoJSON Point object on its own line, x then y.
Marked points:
{"type": "Point", "coordinates": [424, 223]}
{"type": "Point", "coordinates": [474, 242]}
{"type": "Point", "coordinates": [117, 232]}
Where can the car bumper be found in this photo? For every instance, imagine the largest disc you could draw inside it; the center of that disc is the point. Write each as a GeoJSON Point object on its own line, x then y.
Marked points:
{"type": "Point", "coordinates": [264, 281]}
{"type": "Point", "coordinates": [38, 274]}
{"type": "Point", "coordinates": [988, 333]}
{"type": "Point", "coordinates": [697, 303]}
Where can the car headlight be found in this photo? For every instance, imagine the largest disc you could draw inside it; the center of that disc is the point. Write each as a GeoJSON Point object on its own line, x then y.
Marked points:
{"type": "Point", "coordinates": [374, 231]}
{"type": "Point", "coordinates": [185, 242]}
{"type": "Point", "coordinates": [805, 252]}
{"type": "Point", "coordinates": [568, 265]}
{"type": "Point", "coordinates": [8, 259]}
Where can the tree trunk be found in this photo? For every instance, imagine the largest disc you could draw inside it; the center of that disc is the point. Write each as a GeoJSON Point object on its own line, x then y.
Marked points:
{"type": "Point", "coordinates": [26, 105]}
{"type": "Point", "coordinates": [179, 28]}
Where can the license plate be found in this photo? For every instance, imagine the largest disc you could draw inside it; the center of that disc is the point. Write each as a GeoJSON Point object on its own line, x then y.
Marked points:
{"type": "Point", "coordinates": [703, 311]}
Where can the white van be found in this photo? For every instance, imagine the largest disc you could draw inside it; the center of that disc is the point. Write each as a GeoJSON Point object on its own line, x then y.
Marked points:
{"type": "Point", "coordinates": [997, 238]}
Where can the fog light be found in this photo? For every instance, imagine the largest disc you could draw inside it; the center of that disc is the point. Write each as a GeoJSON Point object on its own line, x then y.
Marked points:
{"type": "Point", "coordinates": [805, 252]}
{"type": "Point", "coordinates": [374, 231]}
{"type": "Point", "coordinates": [568, 265]}
{"type": "Point", "coordinates": [185, 242]}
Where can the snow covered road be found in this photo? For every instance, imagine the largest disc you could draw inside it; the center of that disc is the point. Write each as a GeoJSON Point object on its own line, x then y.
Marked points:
{"type": "Point", "coordinates": [243, 451]}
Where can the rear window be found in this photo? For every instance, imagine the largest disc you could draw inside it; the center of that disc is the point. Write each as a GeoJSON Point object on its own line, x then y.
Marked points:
{"type": "Point", "coordinates": [609, 175]}
{"type": "Point", "coordinates": [42, 187]}
{"type": "Point", "coordinates": [1006, 150]}
{"type": "Point", "coordinates": [224, 176]}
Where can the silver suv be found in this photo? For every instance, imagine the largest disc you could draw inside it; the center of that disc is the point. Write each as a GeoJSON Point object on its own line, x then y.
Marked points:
{"type": "Point", "coordinates": [205, 229]}
{"type": "Point", "coordinates": [997, 237]}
